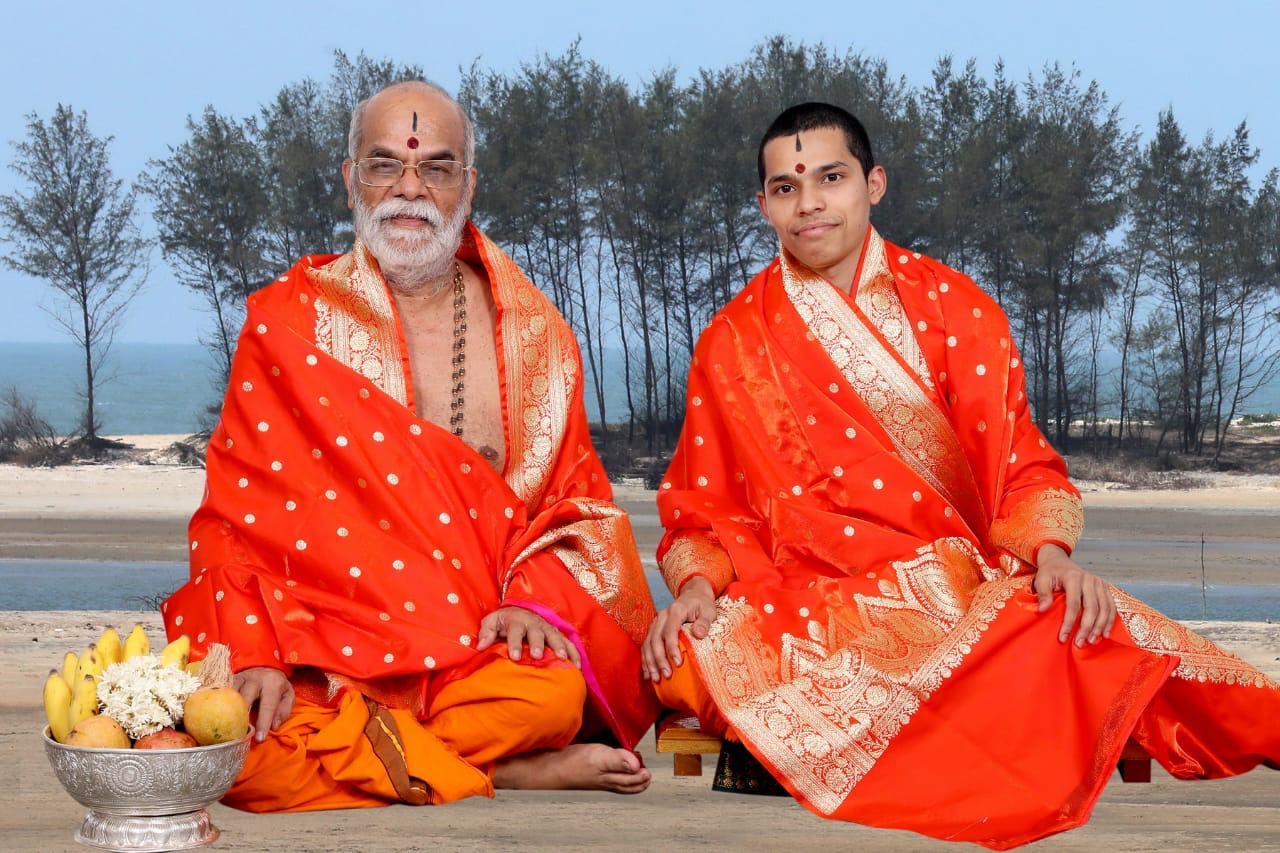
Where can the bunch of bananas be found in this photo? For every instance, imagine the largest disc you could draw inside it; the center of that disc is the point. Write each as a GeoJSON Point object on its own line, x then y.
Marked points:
{"type": "Point", "coordinates": [71, 693]}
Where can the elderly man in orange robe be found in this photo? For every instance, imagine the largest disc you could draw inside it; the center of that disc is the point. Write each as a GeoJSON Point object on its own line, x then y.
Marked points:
{"type": "Point", "coordinates": [869, 542]}
{"type": "Point", "coordinates": [407, 539]}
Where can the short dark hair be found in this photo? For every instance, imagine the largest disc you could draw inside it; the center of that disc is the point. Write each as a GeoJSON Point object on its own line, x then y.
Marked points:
{"type": "Point", "coordinates": [815, 115]}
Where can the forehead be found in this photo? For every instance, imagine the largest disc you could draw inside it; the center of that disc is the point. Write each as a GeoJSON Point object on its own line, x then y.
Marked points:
{"type": "Point", "coordinates": [820, 146]}
{"type": "Point", "coordinates": [393, 116]}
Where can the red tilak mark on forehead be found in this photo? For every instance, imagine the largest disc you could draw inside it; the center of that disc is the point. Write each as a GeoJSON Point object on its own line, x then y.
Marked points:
{"type": "Point", "coordinates": [413, 142]}
{"type": "Point", "coordinates": [799, 168]}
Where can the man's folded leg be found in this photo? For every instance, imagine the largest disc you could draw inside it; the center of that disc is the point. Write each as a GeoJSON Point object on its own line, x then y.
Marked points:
{"type": "Point", "coordinates": [685, 692]}
{"type": "Point", "coordinates": [355, 753]}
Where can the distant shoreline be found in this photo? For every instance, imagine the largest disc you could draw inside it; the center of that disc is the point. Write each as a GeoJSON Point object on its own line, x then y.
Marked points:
{"type": "Point", "coordinates": [137, 511]}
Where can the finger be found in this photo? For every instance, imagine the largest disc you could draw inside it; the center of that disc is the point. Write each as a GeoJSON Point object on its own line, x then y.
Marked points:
{"type": "Point", "coordinates": [488, 633]}
{"type": "Point", "coordinates": [285, 708]}
{"type": "Point", "coordinates": [1073, 592]}
{"type": "Point", "coordinates": [1112, 614]}
{"type": "Point", "coordinates": [536, 637]}
{"type": "Point", "coordinates": [1106, 615]}
{"type": "Point", "coordinates": [515, 639]}
{"type": "Point", "coordinates": [702, 625]}
{"type": "Point", "coordinates": [249, 688]}
{"type": "Point", "coordinates": [563, 648]}
{"type": "Point", "coordinates": [266, 716]}
{"type": "Point", "coordinates": [671, 644]}
{"type": "Point", "coordinates": [1043, 586]}
{"type": "Point", "coordinates": [651, 652]}
{"type": "Point", "coordinates": [1090, 608]}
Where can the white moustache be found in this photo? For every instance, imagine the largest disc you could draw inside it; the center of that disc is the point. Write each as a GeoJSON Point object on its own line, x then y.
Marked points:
{"type": "Point", "coordinates": [420, 209]}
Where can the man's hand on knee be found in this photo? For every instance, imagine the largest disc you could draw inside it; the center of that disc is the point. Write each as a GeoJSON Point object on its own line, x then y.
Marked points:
{"type": "Point", "coordinates": [1089, 599]}
{"type": "Point", "coordinates": [520, 627]}
{"type": "Point", "coordinates": [270, 688]}
{"type": "Point", "coordinates": [695, 606]}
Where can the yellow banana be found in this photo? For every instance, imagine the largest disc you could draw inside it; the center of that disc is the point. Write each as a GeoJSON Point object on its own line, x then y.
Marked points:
{"type": "Point", "coordinates": [110, 648]}
{"type": "Point", "coordinates": [57, 701]}
{"type": "Point", "coordinates": [84, 701]}
{"type": "Point", "coordinates": [136, 643]}
{"type": "Point", "coordinates": [70, 661]}
{"type": "Point", "coordinates": [90, 663]}
{"type": "Point", "coordinates": [177, 652]}
{"type": "Point", "coordinates": [193, 667]}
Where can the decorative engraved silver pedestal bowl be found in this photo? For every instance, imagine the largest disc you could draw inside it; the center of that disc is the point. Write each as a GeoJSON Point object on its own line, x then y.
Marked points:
{"type": "Point", "coordinates": [147, 799]}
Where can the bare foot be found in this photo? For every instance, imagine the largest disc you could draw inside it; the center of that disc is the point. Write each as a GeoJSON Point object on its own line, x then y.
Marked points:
{"type": "Point", "coordinates": [579, 766]}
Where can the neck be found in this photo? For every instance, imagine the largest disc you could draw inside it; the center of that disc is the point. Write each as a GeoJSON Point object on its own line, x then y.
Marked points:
{"type": "Point", "coordinates": [419, 285]}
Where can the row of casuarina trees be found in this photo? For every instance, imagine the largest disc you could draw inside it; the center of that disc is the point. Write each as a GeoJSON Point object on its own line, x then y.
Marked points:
{"type": "Point", "coordinates": [1139, 272]}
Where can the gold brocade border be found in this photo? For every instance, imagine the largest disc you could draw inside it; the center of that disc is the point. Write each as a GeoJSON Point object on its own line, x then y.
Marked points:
{"type": "Point", "coordinates": [541, 375]}
{"type": "Point", "coordinates": [823, 708]}
{"type": "Point", "coordinates": [694, 553]}
{"type": "Point", "coordinates": [356, 321]}
{"type": "Point", "coordinates": [1201, 660]}
{"type": "Point", "coordinates": [878, 298]}
{"type": "Point", "coordinates": [594, 551]}
{"type": "Point", "coordinates": [917, 428]}
{"type": "Point", "coordinates": [1054, 514]}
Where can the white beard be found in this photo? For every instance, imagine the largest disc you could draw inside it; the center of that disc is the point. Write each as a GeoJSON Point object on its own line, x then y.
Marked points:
{"type": "Point", "coordinates": [410, 258]}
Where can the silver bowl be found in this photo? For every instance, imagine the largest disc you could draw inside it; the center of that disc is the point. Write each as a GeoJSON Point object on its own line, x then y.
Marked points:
{"type": "Point", "coordinates": [147, 799]}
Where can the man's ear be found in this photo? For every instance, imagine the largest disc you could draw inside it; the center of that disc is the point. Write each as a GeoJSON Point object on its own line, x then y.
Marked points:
{"type": "Point", "coordinates": [763, 204]}
{"type": "Point", "coordinates": [347, 166]}
{"type": "Point", "coordinates": [471, 188]}
{"type": "Point", "coordinates": [877, 184]}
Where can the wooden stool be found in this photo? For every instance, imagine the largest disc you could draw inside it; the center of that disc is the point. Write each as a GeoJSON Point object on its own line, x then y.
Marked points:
{"type": "Point", "coordinates": [681, 735]}
{"type": "Point", "coordinates": [1135, 764]}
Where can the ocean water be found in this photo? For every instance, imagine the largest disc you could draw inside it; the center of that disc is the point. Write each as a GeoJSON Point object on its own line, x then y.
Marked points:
{"type": "Point", "coordinates": [155, 388]}
{"type": "Point", "coordinates": [147, 388]}
{"type": "Point", "coordinates": [168, 388]}
{"type": "Point", "coordinates": [88, 585]}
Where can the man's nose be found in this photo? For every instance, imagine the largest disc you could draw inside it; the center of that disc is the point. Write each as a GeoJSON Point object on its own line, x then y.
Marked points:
{"type": "Point", "coordinates": [810, 199]}
{"type": "Point", "coordinates": [410, 184]}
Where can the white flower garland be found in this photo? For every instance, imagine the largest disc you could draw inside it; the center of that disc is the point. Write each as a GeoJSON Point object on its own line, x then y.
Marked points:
{"type": "Point", "coordinates": [145, 695]}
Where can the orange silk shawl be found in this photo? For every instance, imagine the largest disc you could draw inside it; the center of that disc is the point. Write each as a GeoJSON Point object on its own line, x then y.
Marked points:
{"type": "Point", "coordinates": [341, 532]}
{"type": "Point", "coordinates": [861, 481]}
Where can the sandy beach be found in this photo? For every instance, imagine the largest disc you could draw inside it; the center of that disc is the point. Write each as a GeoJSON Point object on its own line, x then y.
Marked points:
{"type": "Point", "coordinates": [1224, 533]}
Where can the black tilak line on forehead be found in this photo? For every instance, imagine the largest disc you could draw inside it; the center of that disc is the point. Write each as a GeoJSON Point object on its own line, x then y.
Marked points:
{"type": "Point", "coordinates": [797, 142]}
{"type": "Point", "coordinates": [415, 122]}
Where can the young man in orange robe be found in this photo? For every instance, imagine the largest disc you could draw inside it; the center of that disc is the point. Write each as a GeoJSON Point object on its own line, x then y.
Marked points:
{"type": "Point", "coordinates": [407, 539]}
{"type": "Point", "coordinates": [869, 543]}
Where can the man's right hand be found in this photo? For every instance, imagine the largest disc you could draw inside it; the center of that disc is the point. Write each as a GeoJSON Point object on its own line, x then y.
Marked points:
{"type": "Point", "coordinates": [272, 691]}
{"type": "Point", "coordinates": [695, 605]}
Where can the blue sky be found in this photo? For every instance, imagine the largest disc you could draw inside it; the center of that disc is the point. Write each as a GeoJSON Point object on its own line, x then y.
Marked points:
{"type": "Point", "coordinates": [139, 69]}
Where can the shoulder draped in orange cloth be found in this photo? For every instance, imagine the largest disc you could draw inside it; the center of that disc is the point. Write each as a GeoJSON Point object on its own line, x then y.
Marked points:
{"type": "Point", "coordinates": [357, 547]}
{"type": "Point", "coordinates": [861, 482]}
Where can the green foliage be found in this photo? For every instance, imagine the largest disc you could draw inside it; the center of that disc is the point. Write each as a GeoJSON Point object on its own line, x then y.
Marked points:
{"type": "Point", "coordinates": [75, 228]}
{"type": "Point", "coordinates": [242, 199]}
{"type": "Point", "coordinates": [211, 209]}
{"type": "Point", "coordinates": [633, 206]}
{"type": "Point", "coordinates": [26, 437]}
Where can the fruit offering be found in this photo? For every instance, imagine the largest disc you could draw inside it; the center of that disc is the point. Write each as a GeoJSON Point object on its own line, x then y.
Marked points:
{"type": "Point", "coordinates": [117, 694]}
{"type": "Point", "coordinates": [216, 713]}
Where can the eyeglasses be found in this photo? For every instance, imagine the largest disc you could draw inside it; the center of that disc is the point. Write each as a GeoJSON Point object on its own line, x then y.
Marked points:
{"type": "Point", "coordinates": [386, 172]}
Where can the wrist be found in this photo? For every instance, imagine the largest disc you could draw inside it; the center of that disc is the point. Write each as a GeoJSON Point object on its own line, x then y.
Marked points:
{"type": "Point", "coordinates": [698, 585]}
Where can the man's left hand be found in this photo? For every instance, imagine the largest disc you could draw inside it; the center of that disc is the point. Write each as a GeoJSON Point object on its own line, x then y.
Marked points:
{"type": "Point", "coordinates": [522, 627]}
{"type": "Point", "coordinates": [1088, 596]}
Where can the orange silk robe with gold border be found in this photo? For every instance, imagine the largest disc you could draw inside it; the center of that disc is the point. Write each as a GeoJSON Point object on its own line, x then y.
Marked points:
{"type": "Point", "coordinates": [861, 481]}
{"type": "Point", "coordinates": [340, 534]}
